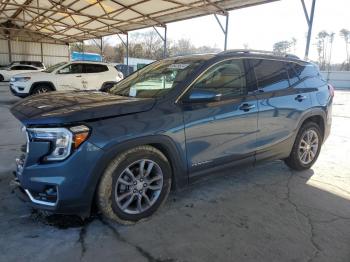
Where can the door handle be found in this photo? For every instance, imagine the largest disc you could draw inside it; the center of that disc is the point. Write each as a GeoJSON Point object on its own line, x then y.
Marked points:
{"type": "Point", "coordinates": [78, 76]}
{"type": "Point", "coordinates": [300, 98]}
{"type": "Point", "coordinates": [246, 107]}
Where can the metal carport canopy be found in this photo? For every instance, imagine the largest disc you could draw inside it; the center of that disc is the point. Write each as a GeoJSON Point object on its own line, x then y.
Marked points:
{"type": "Point", "coordinates": [76, 20]}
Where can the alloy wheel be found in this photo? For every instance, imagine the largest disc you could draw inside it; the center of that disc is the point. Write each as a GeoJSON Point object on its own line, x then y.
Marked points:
{"type": "Point", "coordinates": [139, 186]}
{"type": "Point", "coordinates": [308, 146]}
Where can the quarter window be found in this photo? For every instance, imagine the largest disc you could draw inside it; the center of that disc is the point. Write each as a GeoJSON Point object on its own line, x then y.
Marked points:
{"type": "Point", "coordinates": [226, 78]}
{"type": "Point", "coordinates": [271, 75]}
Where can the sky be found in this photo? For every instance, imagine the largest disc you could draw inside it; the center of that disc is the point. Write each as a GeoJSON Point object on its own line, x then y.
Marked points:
{"type": "Point", "coordinates": [259, 27]}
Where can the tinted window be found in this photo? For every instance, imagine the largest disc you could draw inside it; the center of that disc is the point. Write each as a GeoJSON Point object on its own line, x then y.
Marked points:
{"type": "Point", "coordinates": [95, 68]}
{"type": "Point", "coordinates": [271, 75]}
{"type": "Point", "coordinates": [16, 68]}
{"type": "Point", "coordinates": [226, 78]}
{"type": "Point", "coordinates": [308, 71]}
{"type": "Point", "coordinates": [298, 73]}
{"type": "Point", "coordinates": [72, 69]}
{"type": "Point", "coordinates": [23, 68]}
{"type": "Point", "coordinates": [294, 71]}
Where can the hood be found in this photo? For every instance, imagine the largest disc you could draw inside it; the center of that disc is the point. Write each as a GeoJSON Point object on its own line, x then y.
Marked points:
{"type": "Point", "coordinates": [68, 107]}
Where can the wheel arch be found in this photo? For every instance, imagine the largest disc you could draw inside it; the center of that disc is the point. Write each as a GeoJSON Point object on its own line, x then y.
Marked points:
{"type": "Point", "coordinates": [317, 116]}
{"type": "Point", "coordinates": [49, 83]}
{"type": "Point", "coordinates": [161, 142]}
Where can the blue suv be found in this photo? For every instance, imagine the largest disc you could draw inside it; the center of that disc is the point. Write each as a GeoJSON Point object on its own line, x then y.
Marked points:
{"type": "Point", "coordinates": [165, 126]}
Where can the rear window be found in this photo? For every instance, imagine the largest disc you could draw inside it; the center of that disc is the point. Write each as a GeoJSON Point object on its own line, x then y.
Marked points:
{"type": "Point", "coordinates": [95, 68]}
{"type": "Point", "coordinates": [270, 75]}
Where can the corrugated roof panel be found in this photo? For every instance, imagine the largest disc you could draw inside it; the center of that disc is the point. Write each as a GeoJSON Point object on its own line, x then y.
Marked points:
{"type": "Point", "coordinates": [73, 20]}
{"type": "Point", "coordinates": [153, 6]}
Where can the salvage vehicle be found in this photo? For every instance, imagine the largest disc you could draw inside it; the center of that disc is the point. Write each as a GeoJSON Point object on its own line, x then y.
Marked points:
{"type": "Point", "coordinates": [77, 75]}
{"type": "Point", "coordinates": [167, 125]}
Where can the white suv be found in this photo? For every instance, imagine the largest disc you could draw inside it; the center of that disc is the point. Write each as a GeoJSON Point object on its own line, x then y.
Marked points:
{"type": "Point", "coordinates": [8, 72]}
{"type": "Point", "coordinates": [77, 75]}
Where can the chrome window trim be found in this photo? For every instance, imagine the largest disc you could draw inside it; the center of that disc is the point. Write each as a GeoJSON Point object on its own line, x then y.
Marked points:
{"type": "Point", "coordinates": [228, 59]}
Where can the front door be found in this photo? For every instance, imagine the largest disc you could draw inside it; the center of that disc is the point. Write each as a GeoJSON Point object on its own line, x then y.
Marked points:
{"type": "Point", "coordinates": [70, 77]}
{"type": "Point", "coordinates": [224, 131]}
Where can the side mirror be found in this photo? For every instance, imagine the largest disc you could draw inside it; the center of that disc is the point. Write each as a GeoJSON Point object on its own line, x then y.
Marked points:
{"type": "Point", "coordinates": [201, 95]}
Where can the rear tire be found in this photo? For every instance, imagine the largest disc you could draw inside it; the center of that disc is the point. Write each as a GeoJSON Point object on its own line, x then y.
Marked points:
{"type": "Point", "coordinates": [41, 89]}
{"type": "Point", "coordinates": [306, 148]}
{"type": "Point", "coordinates": [134, 185]}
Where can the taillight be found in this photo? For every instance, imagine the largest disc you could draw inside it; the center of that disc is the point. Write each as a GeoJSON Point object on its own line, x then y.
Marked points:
{"type": "Point", "coordinates": [331, 90]}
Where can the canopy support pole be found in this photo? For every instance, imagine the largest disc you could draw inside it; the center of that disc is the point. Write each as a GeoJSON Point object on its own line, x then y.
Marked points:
{"type": "Point", "coordinates": [101, 49]}
{"type": "Point", "coordinates": [164, 39]}
{"type": "Point", "coordinates": [126, 45]}
{"type": "Point", "coordinates": [224, 29]}
{"type": "Point", "coordinates": [309, 21]}
{"type": "Point", "coordinates": [9, 49]}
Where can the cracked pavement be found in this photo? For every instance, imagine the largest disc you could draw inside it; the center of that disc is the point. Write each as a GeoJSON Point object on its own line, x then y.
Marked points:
{"type": "Point", "coordinates": [262, 213]}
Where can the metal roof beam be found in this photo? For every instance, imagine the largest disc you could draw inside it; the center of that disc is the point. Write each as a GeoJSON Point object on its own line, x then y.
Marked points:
{"type": "Point", "coordinates": [310, 21]}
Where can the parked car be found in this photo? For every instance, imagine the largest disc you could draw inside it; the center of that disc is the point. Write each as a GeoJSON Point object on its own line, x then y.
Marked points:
{"type": "Point", "coordinates": [127, 148]}
{"type": "Point", "coordinates": [8, 72]}
{"type": "Point", "coordinates": [77, 75]}
{"type": "Point", "coordinates": [37, 64]}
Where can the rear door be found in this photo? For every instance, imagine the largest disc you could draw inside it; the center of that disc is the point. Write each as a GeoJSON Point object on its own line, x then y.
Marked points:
{"type": "Point", "coordinates": [95, 75]}
{"type": "Point", "coordinates": [282, 99]}
{"type": "Point", "coordinates": [221, 132]}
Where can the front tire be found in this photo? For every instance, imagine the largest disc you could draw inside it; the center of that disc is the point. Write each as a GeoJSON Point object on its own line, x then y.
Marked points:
{"type": "Point", "coordinates": [306, 148]}
{"type": "Point", "coordinates": [1, 78]}
{"type": "Point", "coordinates": [41, 89]}
{"type": "Point", "coordinates": [135, 184]}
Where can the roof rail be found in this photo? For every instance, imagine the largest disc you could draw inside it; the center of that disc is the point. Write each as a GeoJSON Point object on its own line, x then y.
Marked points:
{"type": "Point", "coordinates": [251, 51]}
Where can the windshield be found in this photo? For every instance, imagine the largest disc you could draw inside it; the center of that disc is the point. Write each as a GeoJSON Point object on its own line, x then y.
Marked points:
{"type": "Point", "coordinates": [54, 67]}
{"type": "Point", "coordinates": [157, 78]}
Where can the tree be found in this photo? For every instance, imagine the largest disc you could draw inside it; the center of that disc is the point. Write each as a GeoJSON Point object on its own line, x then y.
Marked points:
{"type": "Point", "coordinates": [345, 34]}
{"type": "Point", "coordinates": [324, 48]}
{"type": "Point", "coordinates": [331, 40]}
{"type": "Point", "coordinates": [294, 42]}
{"type": "Point", "coordinates": [142, 45]}
{"type": "Point", "coordinates": [282, 47]}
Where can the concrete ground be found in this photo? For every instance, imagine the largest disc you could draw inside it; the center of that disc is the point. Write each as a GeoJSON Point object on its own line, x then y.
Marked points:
{"type": "Point", "coordinates": [266, 213]}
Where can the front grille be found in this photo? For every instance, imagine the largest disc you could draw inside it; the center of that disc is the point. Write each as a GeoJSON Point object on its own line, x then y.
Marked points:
{"type": "Point", "coordinates": [21, 160]}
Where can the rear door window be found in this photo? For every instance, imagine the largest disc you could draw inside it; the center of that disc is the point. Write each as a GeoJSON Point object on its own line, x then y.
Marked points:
{"type": "Point", "coordinates": [271, 75]}
{"type": "Point", "coordinates": [227, 78]}
{"type": "Point", "coordinates": [95, 68]}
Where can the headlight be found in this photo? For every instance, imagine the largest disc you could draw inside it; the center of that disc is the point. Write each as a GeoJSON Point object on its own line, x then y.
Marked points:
{"type": "Point", "coordinates": [20, 79]}
{"type": "Point", "coordinates": [62, 140]}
